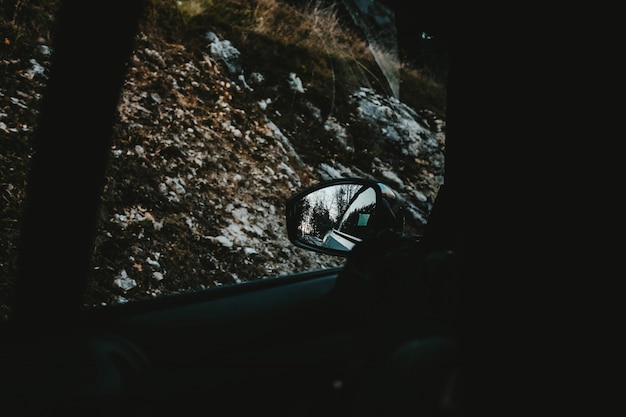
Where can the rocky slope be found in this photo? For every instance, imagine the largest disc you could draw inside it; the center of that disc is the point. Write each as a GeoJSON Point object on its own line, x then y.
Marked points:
{"type": "Point", "coordinates": [206, 150]}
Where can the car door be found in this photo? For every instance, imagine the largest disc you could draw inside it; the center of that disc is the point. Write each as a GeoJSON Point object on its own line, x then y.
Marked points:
{"type": "Point", "coordinates": [304, 343]}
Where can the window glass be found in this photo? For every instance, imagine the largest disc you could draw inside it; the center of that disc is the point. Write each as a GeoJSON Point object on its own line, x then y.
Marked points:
{"type": "Point", "coordinates": [356, 218]}
{"type": "Point", "coordinates": [229, 108]}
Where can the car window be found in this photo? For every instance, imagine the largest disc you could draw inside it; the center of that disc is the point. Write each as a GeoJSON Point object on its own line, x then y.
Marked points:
{"type": "Point", "coordinates": [356, 218]}
{"type": "Point", "coordinates": [229, 108]}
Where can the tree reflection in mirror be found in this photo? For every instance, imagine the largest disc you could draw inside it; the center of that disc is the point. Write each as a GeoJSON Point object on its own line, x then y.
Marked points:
{"type": "Point", "coordinates": [332, 218]}
{"type": "Point", "coordinates": [336, 217]}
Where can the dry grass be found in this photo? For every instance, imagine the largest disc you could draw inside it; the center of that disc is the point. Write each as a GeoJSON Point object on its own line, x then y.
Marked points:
{"type": "Point", "coordinates": [192, 8]}
{"type": "Point", "coordinates": [330, 53]}
{"type": "Point", "coordinates": [294, 26]}
{"type": "Point", "coordinates": [315, 27]}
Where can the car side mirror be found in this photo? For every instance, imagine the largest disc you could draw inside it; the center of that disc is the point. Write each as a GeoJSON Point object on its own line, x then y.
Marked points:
{"type": "Point", "coordinates": [333, 216]}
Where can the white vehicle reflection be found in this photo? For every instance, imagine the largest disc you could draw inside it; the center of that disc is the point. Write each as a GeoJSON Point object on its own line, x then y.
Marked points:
{"type": "Point", "coordinates": [334, 239]}
{"type": "Point", "coordinates": [335, 216]}
{"type": "Point", "coordinates": [352, 227]}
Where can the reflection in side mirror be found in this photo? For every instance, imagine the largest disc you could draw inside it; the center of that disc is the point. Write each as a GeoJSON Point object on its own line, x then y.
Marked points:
{"type": "Point", "coordinates": [333, 216]}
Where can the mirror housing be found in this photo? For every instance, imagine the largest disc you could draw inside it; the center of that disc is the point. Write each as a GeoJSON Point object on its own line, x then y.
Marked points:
{"type": "Point", "coordinates": [333, 216]}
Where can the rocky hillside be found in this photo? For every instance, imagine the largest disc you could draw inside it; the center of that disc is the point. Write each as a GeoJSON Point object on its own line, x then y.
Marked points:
{"type": "Point", "coordinates": [215, 130]}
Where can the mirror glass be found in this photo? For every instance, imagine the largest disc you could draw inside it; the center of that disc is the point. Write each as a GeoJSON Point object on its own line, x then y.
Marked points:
{"type": "Point", "coordinates": [336, 217]}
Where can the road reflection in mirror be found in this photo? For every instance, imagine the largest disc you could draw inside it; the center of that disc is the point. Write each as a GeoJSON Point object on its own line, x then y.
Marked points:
{"type": "Point", "coordinates": [336, 217]}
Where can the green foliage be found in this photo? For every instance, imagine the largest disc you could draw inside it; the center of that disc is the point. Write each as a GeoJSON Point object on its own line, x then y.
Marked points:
{"type": "Point", "coordinates": [421, 92]}
{"type": "Point", "coordinates": [162, 18]}
{"type": "Point", "coordinates": [192, 8]}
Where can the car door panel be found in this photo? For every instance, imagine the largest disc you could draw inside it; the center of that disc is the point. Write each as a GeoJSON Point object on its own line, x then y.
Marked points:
{"type": "Point", "coordinates": [181, 353]}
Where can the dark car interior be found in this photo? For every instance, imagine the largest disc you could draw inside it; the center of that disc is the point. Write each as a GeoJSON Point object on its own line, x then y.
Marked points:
{"type": "Point", "coordinates": [379, 336]}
